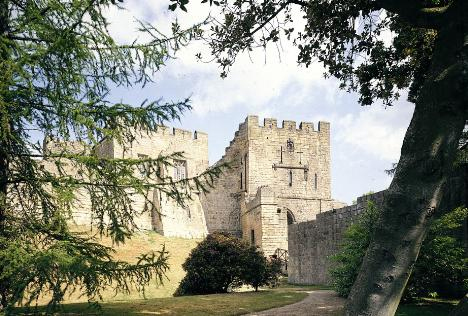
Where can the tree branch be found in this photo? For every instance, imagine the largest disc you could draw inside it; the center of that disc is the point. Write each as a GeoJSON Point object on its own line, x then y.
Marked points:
{"type": "Point", "coordinates": [271, 17]}
{"type": "Point", "coordinates": [415, 13]}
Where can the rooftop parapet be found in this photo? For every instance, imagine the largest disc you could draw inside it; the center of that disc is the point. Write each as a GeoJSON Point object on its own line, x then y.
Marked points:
{"type": "Point", "coordinates": [323, 126]}
{"type": "Point", "coordinates": [55, 146]}
{"type": "Point", "coordinates": [291, 125]}
{"type": "Point", "coordinates": [178, 133]}
{"type": "Point", "coordinates": [200, 135]}
{"type": "Point", "coordinates": [252, 120]}
{"type": "Point", "coordinates": [270, 123]}
{"type": "Point", "coordinates": [306, 126]}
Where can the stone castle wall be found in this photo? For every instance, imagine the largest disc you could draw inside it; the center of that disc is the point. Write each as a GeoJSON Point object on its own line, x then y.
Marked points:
{"type": "Point", "coordinates": [277, 175]}
{"type": "Point", "coordinates": [168, 217]}
{"type": "Point", "coordinates": [300, 177]}
{"type": "Point", "coordinates": [264, 223]}
{"type": "Point", "coordinates": [312, 243]}
{"type": "Point", "coordinates": [222, 204]}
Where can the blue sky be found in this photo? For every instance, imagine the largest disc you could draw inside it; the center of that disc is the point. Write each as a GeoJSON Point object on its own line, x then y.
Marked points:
{"type": "Point", "coordinates": [365, 140]}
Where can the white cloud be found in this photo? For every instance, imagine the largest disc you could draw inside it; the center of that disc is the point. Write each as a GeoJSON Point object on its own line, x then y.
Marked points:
{"type": "Point", "coordinates": [376, 130]}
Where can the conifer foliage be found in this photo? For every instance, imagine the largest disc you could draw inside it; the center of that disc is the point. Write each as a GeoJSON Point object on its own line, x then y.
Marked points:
{"type": "Point", "coordinates": [58, 63]}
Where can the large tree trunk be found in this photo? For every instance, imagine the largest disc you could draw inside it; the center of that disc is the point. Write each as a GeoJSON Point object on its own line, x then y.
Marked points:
{"type": "Point", "coordinates": [427, 156]}
{"type": "Point", "coordinates": [4, 138]}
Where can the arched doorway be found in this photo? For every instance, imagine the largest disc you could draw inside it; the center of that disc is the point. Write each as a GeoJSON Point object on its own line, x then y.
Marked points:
{"type": "Point", "coordinates": [290, 216]}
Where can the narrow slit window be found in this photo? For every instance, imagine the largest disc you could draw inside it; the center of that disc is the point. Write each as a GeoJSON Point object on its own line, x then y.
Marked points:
{"type": "Point", "coordinates": [180, 170]}
{"type": "Point", "coordinates": [290, 178]}
{"type": "Point", "coordinates": [241, 181]}
{"type": "Point", "coordinates": [252, 237]}
{"type": "Point", "coordinates": [315, 182]}
{"type": "Point", "coordinates": [245, 172]}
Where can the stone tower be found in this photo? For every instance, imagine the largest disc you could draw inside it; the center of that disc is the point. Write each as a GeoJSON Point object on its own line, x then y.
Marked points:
{"type": "Point", "coordinates": [278, 176]}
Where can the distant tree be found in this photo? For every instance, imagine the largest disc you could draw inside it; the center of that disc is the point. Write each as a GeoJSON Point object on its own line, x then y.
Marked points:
{"type": "Point", "coordinates": [440, 266]}
{"type": "Point", "coordinates": [58, 64]}
{"type": "Point", "coordinates": [222, 262]}
{"type": "Point", "coordinates": [427, 56]}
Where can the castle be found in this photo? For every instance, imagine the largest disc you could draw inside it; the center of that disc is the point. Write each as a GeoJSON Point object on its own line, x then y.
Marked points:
{"type": "Point", "coordinates": [278, 176]}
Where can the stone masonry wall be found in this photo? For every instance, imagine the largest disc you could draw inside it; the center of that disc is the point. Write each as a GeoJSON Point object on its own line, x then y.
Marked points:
{"type": "Point", "coordinates": [294, 162]}
{"type": "Point", "coordinates": [311, 243]}
{"type": "Point", "coordinates": [168, 218]}
{"type": "Point", "coordinates": [265, 221]}
{"type": "Point", "coordinates": [300, 177]}
{"type": "Point", "coordinates": [222, 205]}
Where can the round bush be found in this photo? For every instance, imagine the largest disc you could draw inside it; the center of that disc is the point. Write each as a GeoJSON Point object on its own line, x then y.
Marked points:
{"type": "Point", "coordinates": [222, 262]}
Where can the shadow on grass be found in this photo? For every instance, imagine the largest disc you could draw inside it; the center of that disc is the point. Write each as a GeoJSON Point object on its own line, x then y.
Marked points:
{"type": "Point", "coordinates": [426, 308]}
{"type": "Point", "coordinates": [216, 304]}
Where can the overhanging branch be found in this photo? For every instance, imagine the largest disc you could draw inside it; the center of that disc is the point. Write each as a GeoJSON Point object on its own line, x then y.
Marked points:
{"type": "Point", "coordinates": [415, 13]}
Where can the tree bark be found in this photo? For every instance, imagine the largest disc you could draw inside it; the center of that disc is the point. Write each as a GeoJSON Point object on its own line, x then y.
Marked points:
{"type": "Point", "coordinates": [427, 156]}
{"type": "Point", "coordinates": [4, 127]}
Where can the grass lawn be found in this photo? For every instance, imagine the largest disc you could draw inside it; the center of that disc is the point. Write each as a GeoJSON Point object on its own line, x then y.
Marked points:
{"type": "Point", "coordinates": [216, 304]}
{"type": "Point", "coordinates": [144, 242]}
{"type": "Point", "coordinates": [159, 300]}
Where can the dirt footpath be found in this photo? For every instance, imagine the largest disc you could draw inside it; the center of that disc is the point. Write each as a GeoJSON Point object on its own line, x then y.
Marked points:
{"type": "Point", "coordinates": [318, 303]}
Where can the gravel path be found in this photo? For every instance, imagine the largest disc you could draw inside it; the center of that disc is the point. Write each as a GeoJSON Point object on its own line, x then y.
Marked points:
{"type": "Point", "coordinates": [318, 303]}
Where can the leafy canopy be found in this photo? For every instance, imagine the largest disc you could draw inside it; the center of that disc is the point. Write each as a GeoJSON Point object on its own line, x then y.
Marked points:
{"type": "Point", "coordinates": [349, 37]}
{"type": "Point", "coordinates": [440, 266]}
{"type": "Point", "coordinates": [58, 64]}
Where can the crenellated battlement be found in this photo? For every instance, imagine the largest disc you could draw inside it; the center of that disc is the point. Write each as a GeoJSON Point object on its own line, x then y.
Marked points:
{"type": "Point", "coordinates": [179, 133]}
{"type": "Point", "coordinates": [252, 121]}
{"type": "Point", "coordinates": [55, 146]}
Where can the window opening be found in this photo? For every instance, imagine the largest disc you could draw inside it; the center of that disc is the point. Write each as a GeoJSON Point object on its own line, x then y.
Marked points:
{"type": "Point", "coordinates": [245, 172]}
{"type": "Point", "coordinates": [252, 237]}
{"type": "Point", "coordinates": [290, 145]}
{"type": "Point", "coordinates": [180, 170]}
{"type": "Point", "coordinates": [315, 182]}
{"type": "Point", "coordinates": [290, 178]}
{"type": "Point", "coordinates": [143, 168]}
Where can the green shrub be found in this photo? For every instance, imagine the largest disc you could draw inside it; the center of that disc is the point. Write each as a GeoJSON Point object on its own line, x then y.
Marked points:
{"type": "Point", "coordinates": [258, 271]}
{"type": "Point", "coordinates": [442, 259]}
{"type": "Point", "coordinates": [440, 264]}
{"type": "Point", "coordinates": [222, 262]}
{"type": "Point", "coordinates": [356, 239]}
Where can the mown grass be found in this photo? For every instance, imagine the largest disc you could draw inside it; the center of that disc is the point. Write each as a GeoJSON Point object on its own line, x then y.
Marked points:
{"type": "Point", "coordinates": [216, 304]}
{"type": "Point", "coordinates": [144, 242]}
